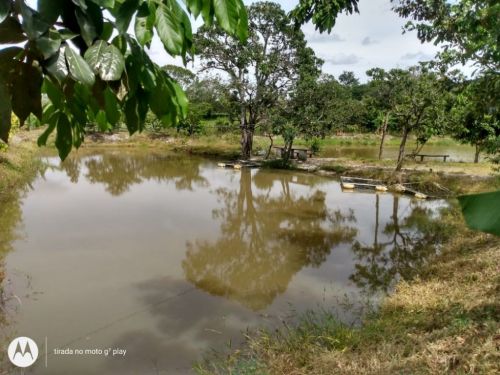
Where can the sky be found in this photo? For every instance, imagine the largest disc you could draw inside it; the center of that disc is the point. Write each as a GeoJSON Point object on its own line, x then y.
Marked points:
{"type": "Point", "coordinates": [358, 42]}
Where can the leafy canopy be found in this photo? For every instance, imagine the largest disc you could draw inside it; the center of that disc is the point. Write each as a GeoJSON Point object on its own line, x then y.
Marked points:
{"type": "Point", "coordinates": [467, 30]}
{"type": "Point", "coordinates": [80, 54]}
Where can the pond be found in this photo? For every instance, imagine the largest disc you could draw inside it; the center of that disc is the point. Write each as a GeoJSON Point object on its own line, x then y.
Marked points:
{"type": "Point", "coordinates": [458, 153]}
{"type": "Point", "coordinates": [168, 256]}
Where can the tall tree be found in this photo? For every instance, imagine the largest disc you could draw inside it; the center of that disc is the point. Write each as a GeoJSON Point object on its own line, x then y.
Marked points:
{"type": "Point", "coordinates": [263, 69]}
{"type": "Point", "coordinates": [81, 55]}
{"type": "Point", "coordinates": [380, 97]}
{"type": "Point", "coordinates": [476, 117]}
{"type": "Point", "coordinates": [420, 103]}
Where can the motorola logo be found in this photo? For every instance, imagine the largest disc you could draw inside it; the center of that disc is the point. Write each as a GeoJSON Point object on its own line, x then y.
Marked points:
{"type": "Point", "coordinates": [23, 351]}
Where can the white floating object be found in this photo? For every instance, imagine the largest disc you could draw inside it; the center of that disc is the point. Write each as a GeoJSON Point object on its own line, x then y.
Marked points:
{"type": "Point", "coordinates": [399, 188]}
{"type": "Point", "coordinates": [221, 165]}
{"type": "Point", "coordinates": [420, 196]}
{"type": "Point", "coordinates": [347, 185]}
{"type": "Point", "coordinates": [237, 166]}
{"type": "Point", "coordinates": [380, 188]}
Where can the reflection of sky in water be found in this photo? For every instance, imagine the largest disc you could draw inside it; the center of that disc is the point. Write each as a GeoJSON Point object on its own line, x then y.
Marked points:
{"type": "Point", "coordinates": [168, 256]}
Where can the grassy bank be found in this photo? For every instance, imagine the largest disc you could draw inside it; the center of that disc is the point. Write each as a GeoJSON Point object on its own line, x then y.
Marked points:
{"type": "Point", "coordinates": [444, 320]}
{"type": "Point", "coordinates": [17, 164]}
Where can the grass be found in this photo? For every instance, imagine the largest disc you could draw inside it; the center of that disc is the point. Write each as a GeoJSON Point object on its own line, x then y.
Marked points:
{"type": "Point", "coordinates": [17, 165]}
{"type": "Point", "coordinates": [445, 320]}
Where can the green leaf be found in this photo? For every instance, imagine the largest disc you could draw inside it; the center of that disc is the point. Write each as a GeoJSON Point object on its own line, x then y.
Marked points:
{"type": "Point", "coordinates": [80, 3]}
{"type": "Point", "coordinates": [27, 92]}
{"type": "Point", "coordinates": [78, 68]}
{"type": "Point", "coordinates": [33, 24]}
{"type": "Point", "coordinates": [106, 60]}
{"type": "Point", "coordinates": [48, 111]}
{"type": "Point", "coordinates": [101, 121]}
{"type": "Point", "coordinates": [50, 10]}
{"type": "Point", "coordinates": [78, 134]}
{"type": "Point", "coordinates": [181, 99]}
{"type": "Point", "coordinates": [482, 211]}
{"type": "Point", "coordinates": [161, 98]}
{"type": "Point", "coordinates": [49, 43]}
{"type": "Point", "coordinates": [54, 93]}
{"type": "Point", "coordinates": [90, 22]}
{"type": "Point", "coordinates": [5, 111]}
{"type": "Point", "coordinates": [94, 55]}
{"type": "Point", "coordinates": [131, 115]}
{"type": "Point", "coordinates": [125, 14]}
{"type": "Point", "coordinates": [111, 106]}
{"type": "Point", "coordinates": [4, 9]}
{"type": "Point", "coordinates": [232, 17]}
{"type": "Point", "coordinates": [67, 34]}
{"type": "Point", "coordinates": [105, 3]}
{"type": "Point", "coordinates": [11, 31]}
{"type": "Point", "coordinates": [51, 121]}
{"type": "Point", "coordinates": [8, 58]}
{"type": "Point", "coordinates": [195, 7]}
{"type": "Point", "coordinates": [144, 23]}
{"type": "Point", "coordinates": [174, 28]}
{"type": "Point", "coordinates": [56, 66]}
{"type": "Point", "coordinates": [107, 31]}
{"type": "Point", "coordinates": [64, 137]}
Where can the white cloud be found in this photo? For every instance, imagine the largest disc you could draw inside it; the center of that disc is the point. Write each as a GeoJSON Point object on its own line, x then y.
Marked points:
{"type": "Point", "coordinates": [342, 59]}
{"type": "Point", "coordinates": [417, 56]}
{"type": "Point", "coordinates": [368, 41]}
{"type": "Point", "coordinates": [316, 37]}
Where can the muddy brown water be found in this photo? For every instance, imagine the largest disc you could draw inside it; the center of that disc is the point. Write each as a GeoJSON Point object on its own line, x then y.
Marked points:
{"type": "Point", "coordinates": [167, 257]}
{"type": "Point", "coordinates": [457, 153]}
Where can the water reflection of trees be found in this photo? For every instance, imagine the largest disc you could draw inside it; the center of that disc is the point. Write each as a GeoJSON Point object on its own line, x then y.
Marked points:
{"type": "Point", "coordinates": [406, 245]}
{"type": "Point", "coordinates": [265, 239]}
{"type": "Point", "coordinates": [119, 171]}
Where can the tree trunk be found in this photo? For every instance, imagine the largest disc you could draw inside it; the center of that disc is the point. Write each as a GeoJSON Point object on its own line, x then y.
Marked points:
{"type": "Point", "coordinates": [384, 131]}
{"type": "Point", "coordinates": [246, 138]}
{"type": "Point", "coordinates": [288, 151]}
{"type": "Point", "coordinates": [246, 142]}
{"type": "Point", "coordinates": [401, 155]}
{"type": "Point", "coordinates": [270, 146]}
{"type": "Point", "coordinates": [476, 155]}
{"type": "Point", "coordinates": [417, 150]}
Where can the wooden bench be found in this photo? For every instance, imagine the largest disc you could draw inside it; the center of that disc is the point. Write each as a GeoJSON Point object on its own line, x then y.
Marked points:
{"type": "Point", "coordinates": [296, 151]}
{"type": "Point", "coordinates": [422, 156]}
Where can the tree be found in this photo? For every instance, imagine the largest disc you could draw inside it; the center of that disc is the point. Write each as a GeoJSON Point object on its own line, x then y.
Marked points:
{"type": "Point", "coordinates": [476, 118]}
{"type": "Point", "coordinates": [261, 70]}
{"type": "Point", "coordinates": [315, 108]}
{"type": "Point", "coordinates": [467, 30]}
{"type": "Point", "coordinates": [322, 13]}
{"type": "Point", "coordinates": [419, 105]}
{"type": "Point", "coordinates": [80, 54]}
{"type": "Point", "coordinates": [348, 79]}
{"type": "Point", "coordinates": [182, 76]}
{"type": "Point", "coordinates": [380, 97]}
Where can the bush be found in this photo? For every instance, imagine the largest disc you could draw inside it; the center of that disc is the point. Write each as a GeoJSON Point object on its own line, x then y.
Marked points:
{"type": "Point", "coordinates": [315, 145]}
